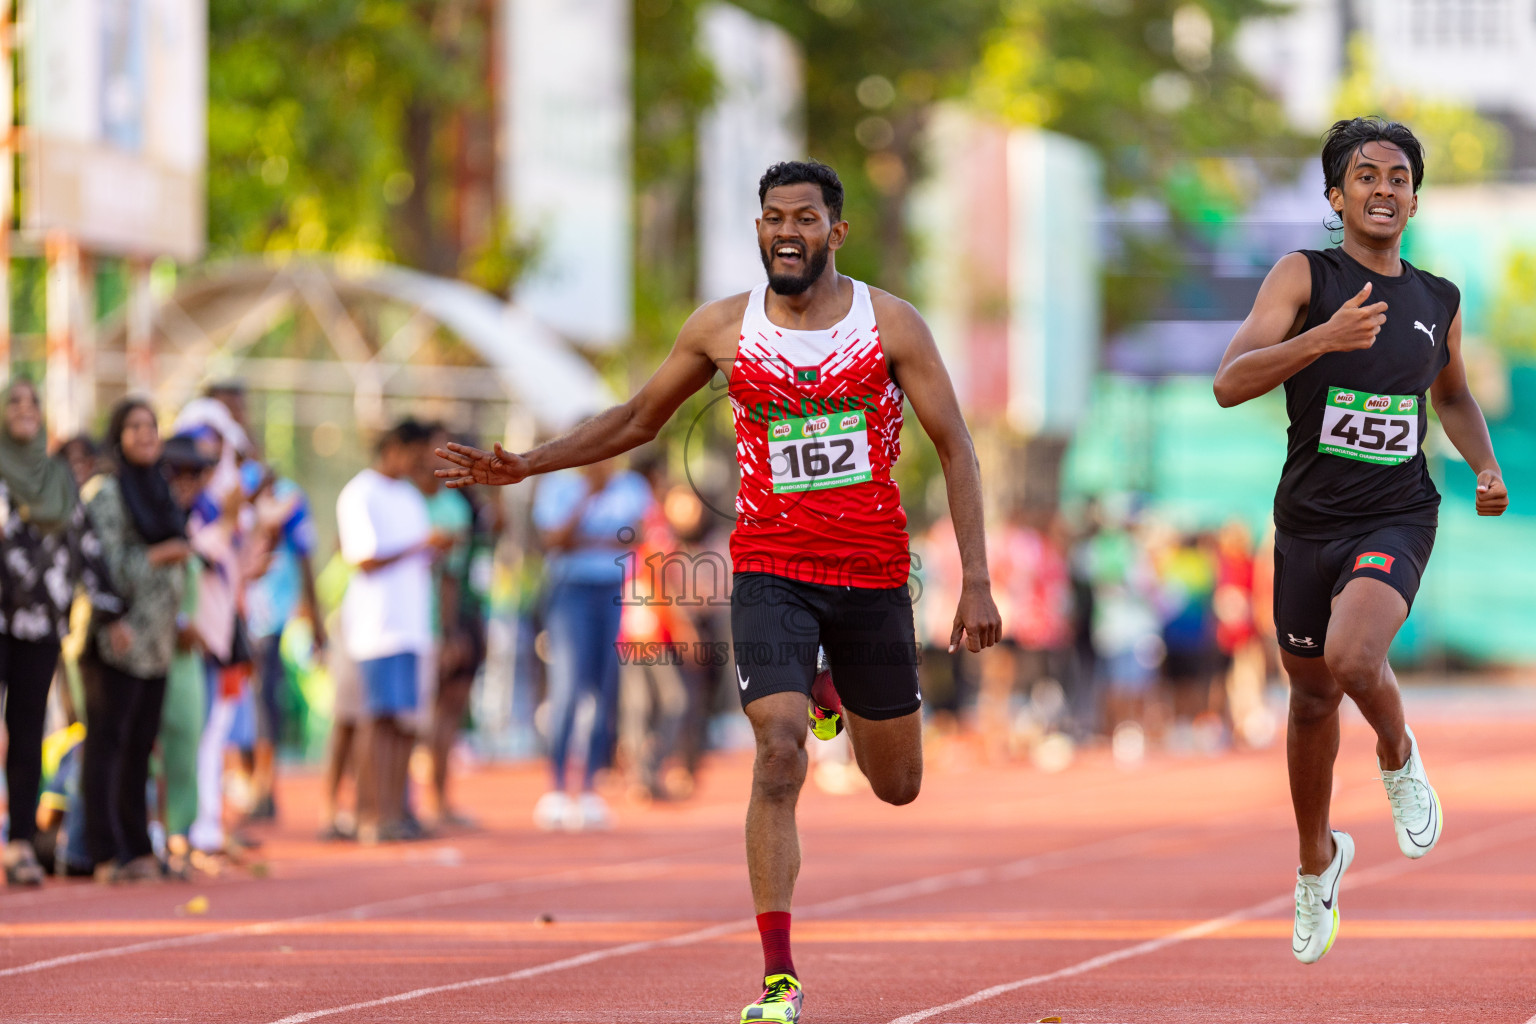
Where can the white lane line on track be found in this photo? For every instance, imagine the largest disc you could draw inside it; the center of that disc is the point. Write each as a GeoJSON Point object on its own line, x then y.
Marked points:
{"type": "Point", "coordinates": [1474, 843]}
{"type": "Point", "coordinates": [1089, 853]}
{"type": "Point", "coordinates": [688, 938]}
{"type": "Point", "coordinates": [627, 871]}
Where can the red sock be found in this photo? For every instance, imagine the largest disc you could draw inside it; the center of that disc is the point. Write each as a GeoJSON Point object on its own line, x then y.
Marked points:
{"type": "Point", "coordinates": [773, 927]}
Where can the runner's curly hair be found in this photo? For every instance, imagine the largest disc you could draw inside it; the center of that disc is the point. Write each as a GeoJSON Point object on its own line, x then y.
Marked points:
{"type": "Point", "coordinates": [1345, 138]}
{"type": "Point", "coordinates": [794, 172]}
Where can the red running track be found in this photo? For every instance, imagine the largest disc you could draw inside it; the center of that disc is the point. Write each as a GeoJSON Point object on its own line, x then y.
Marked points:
{"type": "Point", "coordinates": [1002, 894]}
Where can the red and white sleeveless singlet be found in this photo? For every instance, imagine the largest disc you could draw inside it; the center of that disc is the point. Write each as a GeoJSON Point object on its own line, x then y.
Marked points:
{"type": "Point", "coordinates": [818, 428]}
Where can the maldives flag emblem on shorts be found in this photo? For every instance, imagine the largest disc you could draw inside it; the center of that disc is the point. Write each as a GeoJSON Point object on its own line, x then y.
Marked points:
{"type": "Point", "coordinates": [1373, 560]}
{"type": "Point", "coordinates": [807, 374]}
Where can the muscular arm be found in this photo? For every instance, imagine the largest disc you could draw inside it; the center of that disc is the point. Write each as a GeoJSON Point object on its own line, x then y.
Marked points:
{"type": "Point", "coordinates": [686, 369]}
{"type": "Point", "coordinates": [919, 371]}
{"type": "Point", "coordinates": [1465, 426]}
{"type": "Point", "coordinates": [1268, 349]}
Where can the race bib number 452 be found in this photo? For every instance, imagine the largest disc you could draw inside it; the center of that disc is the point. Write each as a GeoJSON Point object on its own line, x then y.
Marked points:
{"type": "Point", "coordinates": [1383, 429]}
{"type": "Point", "coordinates": [818, 452]}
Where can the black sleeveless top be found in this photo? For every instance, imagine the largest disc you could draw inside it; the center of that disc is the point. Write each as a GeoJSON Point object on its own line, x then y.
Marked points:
{"type": "Point", "coordinates": [1355, 458]}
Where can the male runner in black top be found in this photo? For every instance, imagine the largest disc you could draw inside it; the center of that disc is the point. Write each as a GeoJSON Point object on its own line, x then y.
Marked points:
{"type": "Point", "coordinates": [1358, 336]}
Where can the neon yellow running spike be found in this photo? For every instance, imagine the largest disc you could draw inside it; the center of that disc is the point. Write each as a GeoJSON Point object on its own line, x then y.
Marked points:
{"type": "Point", "coordinates": [825, 723]}
{"type": "Point", "coordinates": [780, 1002]}
{"type": "Point", "coordinates": [826, 707]}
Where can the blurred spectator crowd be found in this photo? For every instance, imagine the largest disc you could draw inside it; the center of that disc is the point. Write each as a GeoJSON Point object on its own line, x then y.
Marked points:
{"type": "Point", "coordinates": [1117, 625]}
{"type": "Point", "coordinates": [166, 625]}
{"type": "Point", "coordinates": [157, 599]}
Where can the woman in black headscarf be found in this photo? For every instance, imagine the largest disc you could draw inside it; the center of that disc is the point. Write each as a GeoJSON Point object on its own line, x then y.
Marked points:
{"type": "Point", "coordinates": [48, 550]}
{"type": "Point", "coordinates": [143, 532]}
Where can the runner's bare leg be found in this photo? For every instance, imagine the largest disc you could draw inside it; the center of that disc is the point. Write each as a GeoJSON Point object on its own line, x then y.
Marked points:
{"type": "Point", "coordinates": [780, 723]}
{"type": "Point", "coordinates": [890, 754]}
{"type": "Point", "coordinates": [1366, 616]}
{"type": "Point", "coordinates": [1311, 745]}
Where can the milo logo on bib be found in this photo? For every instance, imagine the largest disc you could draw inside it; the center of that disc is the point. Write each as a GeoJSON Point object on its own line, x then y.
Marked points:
{"type": "Point", "coordinates": [817, 452]}
{"type": "Point", "coordinates": [1381, 429]}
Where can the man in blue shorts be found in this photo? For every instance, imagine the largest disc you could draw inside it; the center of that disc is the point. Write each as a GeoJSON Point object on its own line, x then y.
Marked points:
{"type": "Point", "coordinates": [382, 524]}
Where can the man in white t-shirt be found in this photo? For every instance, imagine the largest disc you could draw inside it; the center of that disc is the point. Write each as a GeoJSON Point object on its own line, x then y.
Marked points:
{"type": "Point", "coordinates": [382, 523]}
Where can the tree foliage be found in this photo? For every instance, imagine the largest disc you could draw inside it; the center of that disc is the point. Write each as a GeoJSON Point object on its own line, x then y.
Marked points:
{"type": "Point", "coordinates": [1459, 145]}
{"type": "Point", "coordinates": [674, 85]}
{"type": "Point", "coordinates": [346, 127]}
{"type": "Point", "coordinates": [1152, 85]}
{"type": "Point", "coordinates": [1157, 89]}
{"type": "Point", "coordinates": [1513, 323]}
{"type": "Point", "coordinates": [872, 68]}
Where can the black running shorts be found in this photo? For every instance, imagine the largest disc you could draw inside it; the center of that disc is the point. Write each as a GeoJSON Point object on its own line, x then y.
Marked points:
{"type": "Point", "coordinates": [868, 634]}
{"type": "Point", "coordinates": [1309, 574]}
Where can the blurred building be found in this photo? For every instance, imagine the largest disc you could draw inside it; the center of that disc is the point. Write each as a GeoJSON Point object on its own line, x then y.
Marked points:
{"type": "Point", "coordinates": [1476, 52]}
{"type": "Point", "coordinates": [115, 144]}
{"type": "Point", "coordinates": [567, 109]}
{"type": "Point", "coordinates": [1008, 275]}
{"type": "Point", "coordinates": [757, 120]}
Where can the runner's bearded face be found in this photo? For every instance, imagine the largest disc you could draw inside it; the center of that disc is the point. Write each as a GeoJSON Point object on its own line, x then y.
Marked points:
{"type": "Point", "coordinates": [794, 237]}
{"type": "Point", "coordinates": [1377, 197]}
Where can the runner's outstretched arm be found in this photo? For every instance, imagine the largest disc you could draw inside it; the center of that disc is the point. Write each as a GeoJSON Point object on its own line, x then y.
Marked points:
{"type": "Point", "coordinates": [1464, 424]}
{"type": "Point", "coordinates": [917, 368]}
{"type": "Point", "coordinates": [1268, 349]}
{"type": "Point", "coordinates": [687, 368]}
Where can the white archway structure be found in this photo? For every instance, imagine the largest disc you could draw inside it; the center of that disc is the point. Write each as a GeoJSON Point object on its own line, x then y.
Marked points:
{"type": "Point", "coordinates": [376, 318]}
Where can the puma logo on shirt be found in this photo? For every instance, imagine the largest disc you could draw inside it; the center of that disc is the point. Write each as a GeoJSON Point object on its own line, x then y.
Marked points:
{"type": "Point", "coordinates": [1430, 330]}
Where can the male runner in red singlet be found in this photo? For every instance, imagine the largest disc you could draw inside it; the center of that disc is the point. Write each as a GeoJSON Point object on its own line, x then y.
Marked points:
{"type": "Point", "coordinates": [818, 366]}
{"type": "Point", "coordinates": [1358, 336]}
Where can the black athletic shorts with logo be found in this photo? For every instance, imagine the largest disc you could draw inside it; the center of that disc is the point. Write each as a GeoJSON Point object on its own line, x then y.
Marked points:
{"type": "Point", "coordinates": [868, 634]}
{"type": "Point", "coordinates": [1309, 574]}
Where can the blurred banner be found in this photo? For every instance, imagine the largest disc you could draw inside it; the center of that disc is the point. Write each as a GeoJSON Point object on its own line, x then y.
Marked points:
{"type": "Point", "coordinates": [756, 120]}
{"type": "Point", "coordinates": [1055, 197]}
{"type": "Point", "coordinates": [1008, 276]}
{"type": "Point", "coordinates": [117, 123]}
{"type": "Point", "coordinates": [567, 174]}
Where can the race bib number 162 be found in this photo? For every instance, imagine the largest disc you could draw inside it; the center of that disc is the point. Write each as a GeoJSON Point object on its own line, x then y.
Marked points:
{"type": "Point", "coordinates": [819, 452]}
{"type": "Point", "coordinates": [1382, 429]}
